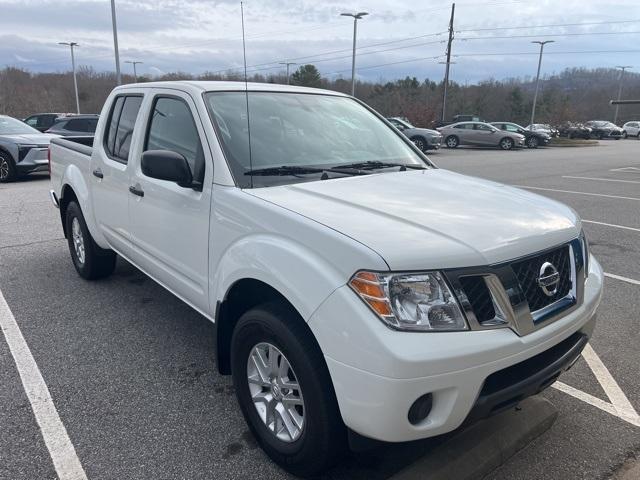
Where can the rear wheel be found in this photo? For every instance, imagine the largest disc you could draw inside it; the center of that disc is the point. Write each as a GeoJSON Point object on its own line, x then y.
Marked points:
{"type": "Point", "coordinates": [506, 143]}
{"type": "Point", "coordinates": [91, 261]}
{"type": "Point", "coordinates": [285, 391]}
{"type": "Point", "coordinates": [452, 141]}
{"type": "Point", "coordinates": [532, 142]}
{"type": "Point", "coordinates": [7, 168]}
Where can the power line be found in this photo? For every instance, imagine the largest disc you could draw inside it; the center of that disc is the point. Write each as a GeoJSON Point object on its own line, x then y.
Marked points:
{"type": "Point", "coordinates": [466, 29]}
{"type": "Point", "coordinates": [547, 35]}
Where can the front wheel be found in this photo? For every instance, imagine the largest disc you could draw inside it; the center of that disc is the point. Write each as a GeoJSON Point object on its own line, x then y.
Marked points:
{"type": "Point", "coordinates": [420, 142]}
{"type": "Point", "coordinates": [7, 168]}
{"type": "Point", "coordinates": [532, 142]}
{"type": "Point", "coordinates": [506, 143]}
{"type": "Point", "coordinates": [91, 261]}
{"type": "Point", "coordinates": [284, 390]}
{"type": "Point", "coordinates": [452, 141]}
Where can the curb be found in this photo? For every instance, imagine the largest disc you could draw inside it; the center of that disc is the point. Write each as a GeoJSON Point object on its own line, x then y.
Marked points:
{"type": "Point", "coordinates": [482, 447]}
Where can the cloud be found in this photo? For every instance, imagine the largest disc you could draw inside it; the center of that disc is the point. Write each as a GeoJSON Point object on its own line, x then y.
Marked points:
{"type": "Point", "coordinates": [197, 35]}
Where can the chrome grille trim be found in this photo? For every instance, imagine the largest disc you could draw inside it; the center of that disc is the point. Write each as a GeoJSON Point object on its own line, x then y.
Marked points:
{"type": "Point", "coordinates": [509, 301]}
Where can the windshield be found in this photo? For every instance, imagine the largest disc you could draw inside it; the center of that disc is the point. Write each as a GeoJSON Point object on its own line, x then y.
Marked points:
{"type": "Point", "coordinates": [301, 130]}
{"type": "Point", "coordinates": [11, 126]}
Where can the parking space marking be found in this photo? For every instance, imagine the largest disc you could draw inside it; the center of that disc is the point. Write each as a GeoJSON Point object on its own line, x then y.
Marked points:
{"type": "Point", "coordinates": [63, 454]}
{"type": "Point", "coordinates": [625, 169]}
{"type": "Point", "coordinates": [577, 193]}
{"type": "Point", "coordinates": [612, 225]}
{"type": "Point", "coordinates": [622, 279]}
{"type": "Point", "coordinates": [601, 179]}
{"type": "Point", "coordinates": [619, 405]}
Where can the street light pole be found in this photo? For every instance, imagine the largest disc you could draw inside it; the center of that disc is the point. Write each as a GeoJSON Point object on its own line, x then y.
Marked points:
{"type": "Point", "coordinates": [535, 95]}
{"type": "Point", "coordinates": [622, 69]}
{"type": "Point", "coordinates": [356, 17]}
{"type": "Point", "coordinates": [115, 41]}
{"type": "Point", "coordinates": [135, 73]}
{"type": "Point", "coordinates": [288, 64]}
{"type": "Point", "coordinates": [71, 45]}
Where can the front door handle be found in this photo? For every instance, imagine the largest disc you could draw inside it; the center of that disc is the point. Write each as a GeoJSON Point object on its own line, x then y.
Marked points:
{"type": "Point", "coordinates": [136, 191]}
{"type": "Point", "coordinates": [98, 173]}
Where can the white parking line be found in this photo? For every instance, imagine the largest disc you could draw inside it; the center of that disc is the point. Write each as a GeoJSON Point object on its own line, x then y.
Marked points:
{"type": "Point", "coordinates": [65, 460]}
{"type": "Point", "coordinates": [622, 279]}
{"type": "Point", "coordinates": [578, 193]}
{"type": "Point", "coordinates": [601, 179]}
{"type": "Point", "coordinates": [619, 406]}
{"type": "Point", "coordinates": [625, 169]}
{"type": "Point", "coordinates": [612, 225]}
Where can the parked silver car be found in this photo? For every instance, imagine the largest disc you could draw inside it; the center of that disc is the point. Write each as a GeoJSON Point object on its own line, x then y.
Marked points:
{"type": "Point", "coordinates": [23, 149]}
{"type": "Point", "coordinates": [481, 134]}
{"type": "Point", "coordinates": [423, 138]}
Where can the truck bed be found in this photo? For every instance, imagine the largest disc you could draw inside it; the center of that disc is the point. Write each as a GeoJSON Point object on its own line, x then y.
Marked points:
{"type": "Point", "coordinates": [69, 151]}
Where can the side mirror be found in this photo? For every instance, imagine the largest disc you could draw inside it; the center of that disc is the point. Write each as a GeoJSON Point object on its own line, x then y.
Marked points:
{"type": "Point", "coordinates": [167, 165]}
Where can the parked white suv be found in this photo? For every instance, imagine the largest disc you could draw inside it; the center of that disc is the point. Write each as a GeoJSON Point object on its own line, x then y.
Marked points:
{"type": "Point", "coordinates": [631, 129]}
{"type": "Point", "coordinates": [357, 290]}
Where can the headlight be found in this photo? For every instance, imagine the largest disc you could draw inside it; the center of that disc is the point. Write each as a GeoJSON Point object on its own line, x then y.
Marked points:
{"type": "Point", "coordinates": [410, 301]}
{"type": "Point", "coordinates": [23, 149]}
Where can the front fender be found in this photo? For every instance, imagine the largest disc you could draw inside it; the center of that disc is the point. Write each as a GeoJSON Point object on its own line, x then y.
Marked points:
{"type": "Point", "coordinates": [302, 276]}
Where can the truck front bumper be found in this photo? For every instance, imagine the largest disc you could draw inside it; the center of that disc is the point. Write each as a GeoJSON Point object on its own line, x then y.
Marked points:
{"type": "Point", "coordinates": [378, 373]}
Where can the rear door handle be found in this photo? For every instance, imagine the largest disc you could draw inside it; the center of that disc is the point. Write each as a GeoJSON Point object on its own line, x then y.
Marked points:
{"type": "Point", "coordinates": [98, 173]}
{"type": "Point", "coordinates": [136, 191]}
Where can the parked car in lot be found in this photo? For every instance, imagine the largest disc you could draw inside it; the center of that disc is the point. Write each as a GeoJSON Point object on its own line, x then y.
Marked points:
{"type": "Point", "coordinates": [43, 121]}
{"type": "Point", "coordinates": [543, 128]}
{"type": "Point", "coordinates": [423, 138]}
{"type": "Point", "coordinates": [631, 129]}
{"type": "Point", "coordinates": [532, 139]}
{"type": "Point", "coordinates": [76, 125]}
{"type": "Point", "coordinates": [603, 129]}
{"type": "Point", "coordinates": [480, 134]}
{"type": "Point", "coordinates": [574, 130]}
{"type": "Point", "coordinates": [357, 290]}
{"type": "Point", "coordinates": [23, 149]}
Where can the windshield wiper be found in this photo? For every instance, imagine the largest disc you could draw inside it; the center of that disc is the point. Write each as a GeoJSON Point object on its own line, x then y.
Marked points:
{"type": "Point", "coordinates": [295, 170]}
{"type": "Point", "coordinates": [284, 170]}
{"type": "Point", "coordinates": [374, 164]}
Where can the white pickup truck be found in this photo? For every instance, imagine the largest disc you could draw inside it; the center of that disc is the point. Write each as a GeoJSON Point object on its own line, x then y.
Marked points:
{"type": "Point", "coordinates": [357, 290]}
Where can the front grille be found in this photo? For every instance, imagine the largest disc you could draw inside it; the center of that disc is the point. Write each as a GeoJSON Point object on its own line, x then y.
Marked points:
{"type": "Point", "coordinates": [479, 297]}
{"type": "Point", "coordinates": [527, 272]}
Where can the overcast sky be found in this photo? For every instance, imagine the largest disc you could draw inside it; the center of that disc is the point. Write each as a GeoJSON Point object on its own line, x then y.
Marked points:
{"type": "Point", "coordinates": [197, 35]}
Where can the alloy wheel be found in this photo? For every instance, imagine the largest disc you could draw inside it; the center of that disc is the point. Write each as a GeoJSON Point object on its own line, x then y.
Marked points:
{"type": "Point", "coordinates": [276, 392]}
{"type": "Point", "coordinates": [4, 168]}
{"type": "Point", "coordinates": [78, 240]}
{"type": "Point", "coordinates": [506, 144]}
{"type": "Point", "coordinates": [418, 142]}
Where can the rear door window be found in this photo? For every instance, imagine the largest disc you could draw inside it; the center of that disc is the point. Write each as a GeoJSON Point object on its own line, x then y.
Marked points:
{"type": "Point", "coordinates": [121, 126]}
{"type": "Point", "coordinates": [78, 125]}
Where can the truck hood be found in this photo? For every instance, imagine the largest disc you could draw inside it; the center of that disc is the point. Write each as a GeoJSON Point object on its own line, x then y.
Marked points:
{"type": "Point", "coordinates": [431, 219]}
{"type": "Point", "coordinates": [29, 138]}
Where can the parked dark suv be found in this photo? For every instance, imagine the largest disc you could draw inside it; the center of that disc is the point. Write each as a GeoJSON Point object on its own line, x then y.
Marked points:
{"type": "Point", "coordinates": [574, 130]}
{"type": "Point", "coordinates": [43, 121]}
{"type": "Point", "coordinates": [602, 129]}
{"type": "Point", "coordinates": [532, 138]}
{"type": "Point", "coordinates": [76, 125]}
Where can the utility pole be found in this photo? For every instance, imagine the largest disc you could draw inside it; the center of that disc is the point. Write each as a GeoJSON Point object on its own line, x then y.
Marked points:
{"type": "Point", "coordinates": [288, 64]}
{"type": "Point", "coordinates": [356, 17]}
{"type": "Point", "coordinates": [115, 42]}
{"type": "Point", "coordinates": [622, 69]}
{"type": "Point", "coordinates": [135, 73]}
{"type": "Point", "coordinates": [71, 45]}
{"type": "Point", "coordinates": [448, 63]}
{"type": "Point", "coordinates": [535, 95]}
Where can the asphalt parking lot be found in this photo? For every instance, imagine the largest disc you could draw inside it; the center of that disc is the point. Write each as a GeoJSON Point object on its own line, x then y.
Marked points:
{"type": "Point", "coordinates": [130, 367]}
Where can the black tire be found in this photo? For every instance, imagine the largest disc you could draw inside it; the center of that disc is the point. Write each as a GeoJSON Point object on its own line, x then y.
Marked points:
{"type": "Point", "coordinates": [420, 142]}
{"type": "Point", "coordinates": [624, 135]}
{"type": "Point", "coordinates": [506, 143]}
{"type": "Point", "coordinates": [452, 141]}
{"type": "Point", "coordinates": [323, 440]}
{"type": "Point", "coordinates": [532, 142]}
{"type": "Point", "coordinates": [7, 168]}
{"type": "Point", "coordinates": [97, 262]}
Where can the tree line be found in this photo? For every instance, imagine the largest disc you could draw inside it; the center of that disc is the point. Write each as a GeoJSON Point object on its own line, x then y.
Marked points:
{"type": "Point", "coordinates": [575, 94]}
